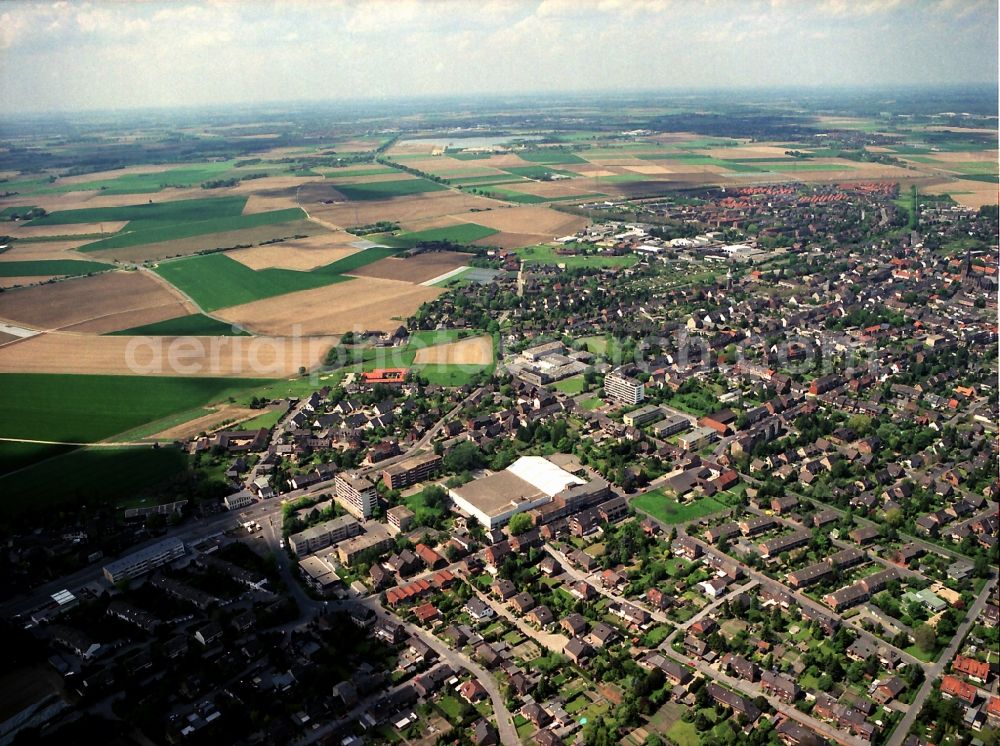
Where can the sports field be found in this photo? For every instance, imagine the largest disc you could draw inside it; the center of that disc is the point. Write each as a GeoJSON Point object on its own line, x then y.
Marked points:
{"type": "Point", "coordinates": [215, 281]}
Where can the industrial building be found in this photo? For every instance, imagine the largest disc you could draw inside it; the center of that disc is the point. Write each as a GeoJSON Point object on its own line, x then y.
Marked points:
{"type": "Point", "coordinates": [530, 482]}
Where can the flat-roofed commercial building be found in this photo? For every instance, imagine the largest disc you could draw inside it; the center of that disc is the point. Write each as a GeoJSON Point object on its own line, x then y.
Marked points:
{"type": "Point", "coordinates": [145, 560]}
{"type": "Point", "coordinates": [530, 482]}
{"type": "Point", "coordinates": [411, 471]}
{"type": "Point", "coordinates": [357, 494]}
{"type": "Point", "coordinates": [623, 389]}
{"type": "Point", "coordinates": [324, 534]}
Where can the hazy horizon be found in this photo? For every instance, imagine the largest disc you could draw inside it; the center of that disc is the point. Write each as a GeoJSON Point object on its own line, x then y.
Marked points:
{"type": "Point", "coordinates": [70, 56]}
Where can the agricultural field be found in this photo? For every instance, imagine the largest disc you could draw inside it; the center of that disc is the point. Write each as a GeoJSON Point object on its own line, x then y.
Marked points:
{"type": "Point", "coordinates": [300, 254]}
{"type": "Point", "coordinates": [471, 351]}
{"type": "Point", "coordinates": [363, 303]}
{"type": "Point", "coordinates": [379, 190]}
{"type": "Point", "coordinates": [196, 325]}
{"type": "Point", "coordinates": [100, 303]}
{"type": "Point", "coordinates": [464, 233]}
{"type": "Point", "coordinates": [87, 409]}
{"type": "Point", "coordinates": [51, 268]}
{"type": "Point", "coordinates": [417, 269]}
{"type": "Point", "coordinates": [215, 281]}
{"type": "Point", "coordinates": [88, 476]}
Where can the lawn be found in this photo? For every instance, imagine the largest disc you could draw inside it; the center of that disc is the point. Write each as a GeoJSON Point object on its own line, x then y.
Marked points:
{"type": "Point", "coordinates": [42, 267]}
{"type": "Point", "coordinates": [596, 345]}
{"type": "Point", "coordinates": [450, 375]}
{"type": "Point", "coordinates": [81, 408]}
{"type": "Point", "coordinates": [267, 420]}
{"type": "Point", "coordinates": [388, 189]}
{"type": "Point", "coordinates": [215, 281]}
{"type": "Point", "coordinates": [195, 325]}
{"type": "Point", "coordinates": [423, 514]}
{"type": "Point", "coordinates": [129, 237]}
{"type": "Point", "coordinates": [464, 233]}
{"type": "Point", "coordinates": [668, 510]}
{"type": "Point", "coordinates": [592, 403]}
{"type": "Point", "coordinates": [88, 476]}
{"type": "Point", "coordinates": [572, 385]}
{"type": "Point", "coordinates": [547, 255]}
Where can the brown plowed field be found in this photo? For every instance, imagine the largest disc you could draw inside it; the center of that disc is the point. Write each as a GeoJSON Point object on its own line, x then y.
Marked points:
{"type": "Point", "coordinates": [365, 303]}
{"type": "Point", "coordinates": [414, 269]}
{"type": "Point", "coordinates": [399, 209]}
{"type": "Point", "coordinates": [240, 357]}
{"type": "Point", "coordinates": [13, 282]}
{"type": "Point", "coordinates": [210, 241]}
{"type": "Point", "coordinates": [300, 253]}
{"type": "Point", "coordinates": [73, 229]}
{"type": "Point", "coordinates": [529, 219]}
{"type": "Point", "coordinates": [472, 351]}
{"type": "Point", "coordinates": [81, 299]}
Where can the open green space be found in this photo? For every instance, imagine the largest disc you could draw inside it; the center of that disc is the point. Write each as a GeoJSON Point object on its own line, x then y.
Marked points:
{"type": "Point", "coordinates": [216, 281]}
{"type": "Point", "coordinates": [572, 385]}
{"type": "Point", "coordinates": [547, 255]}
{"type": "Point", "coordinates": [388, 189]}
{"type": "Point", "coordinates": [668, 510]}
{"type": "Point", "coordinates": [9, 212]}
{"type": "Point", "coordinates": [450, 375]}
{"type": "Point", "coordinates": [592, 403]}
{"type": "Point", "coordinates": [88, 408]}
{"type": "Point", "coordinates": [44, 267]}
{"type": "Point", "coordinates": [463, 233]}
{"type": "Point", "coordinates": [89, 476]}
{"type": "Point", "coordinates": [129, 237]}
{"type": "Point", "coordinates": [195, 325]}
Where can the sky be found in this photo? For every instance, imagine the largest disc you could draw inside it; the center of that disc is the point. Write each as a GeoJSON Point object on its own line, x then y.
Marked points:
{"type": "Point", "coordinates": [68, 56]}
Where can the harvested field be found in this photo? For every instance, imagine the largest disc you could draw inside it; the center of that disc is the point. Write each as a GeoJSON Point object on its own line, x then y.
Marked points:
{"type": "Point", "coordinates": [976, 156]}
{"type": "Point", "coordinates": [208, 423]}
{"type": "Point", "coordinates": [111, 301]}
{"type": "Point", "coordinates": [530, 220]}
{"type": "Point", "coordinates": [210, 242]}
{"type": "Point", "coordinates": [237, 357]}
{"type": "Point", "coordinates": [415, 269]}
{"type": "Point", "coordinates": [360, 304]}
{"type": "Point", "coordinates": [647, 169]}
{"type": "Point", "coordinates": [299, 253]}
{"type": "Point", "coordinates": [554, 188]}
{"type": "Point", "coordinates": [372, 178]}
{"type": "Point", "coordinates": [83, 200]}
{"type": "Point", "coordinates": [750, 151]}
{"type": "Point", "coordinates": [278, 199]}
{"type": "Point", "coordinates": [471, 351]}
{"type": "Point", "coordinates": [36, 250]}
{"type": "Point", "coordinates": [400, 209]}
{"type": "Point", "coordinates": [443, 221]}
{"type": "Point", "coordinates": [593, 171]}
{"type": "Point", "coordinates": [968, 193]}
{"type": "Point", "coordinates": [13, 282]}
{"type": "Point", "coordinates": [75, 229]}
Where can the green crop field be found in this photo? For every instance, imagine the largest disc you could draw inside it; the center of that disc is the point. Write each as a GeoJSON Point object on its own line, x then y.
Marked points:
{"type": "Point", "coordinates": [8, 212]}
{"type": "Point", "coordinates": [215, 281]}
{"type": "Point", "coordinates": [485, 180]}
{"type": "Point", "coordinates": [337, 173]}
{"type": "Point", "coordinates": [536, 172]}
{"type": "Point", "coordinates": [129, 237]}
{"type": "Point", "coordinates": [84, 408]}
{"type": "Point", "coordinates": [90, 476]}
{"type": "Point", "coordinates": [795, 167]}
{"type": "Point", "coordinates": [509, 195]}
{"type": "Point", "coordinates": [388, 189]}
{"type": "Point", "coordinates": [43, 267]}
{"type": "Point", "coordinates": [15, 455]}
{"type": "Point", "coordinates": [550, 156]}
{"type": "Point", "coordinates": [358, 259]}
{"type": "Point", "coordinates": [464, 233]}
{"type": "Point", "coordinates": [145, 183]}
{"type": "Point", "coordinates": [150, 215]}
{"type": "Point", "coordinates": [547, 255]}
{"type": "Point", "coordinates": [195, 325]}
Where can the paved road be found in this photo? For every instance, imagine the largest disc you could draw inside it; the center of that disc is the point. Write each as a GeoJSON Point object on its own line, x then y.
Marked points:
{"type": "Point", "coordinates": [933, 672]}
